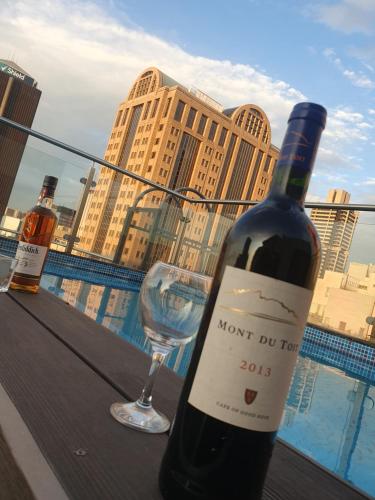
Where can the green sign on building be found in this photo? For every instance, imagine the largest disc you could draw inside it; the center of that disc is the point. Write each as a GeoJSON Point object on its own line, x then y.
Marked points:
{"type": "Point", "coordinates": [5, 68]}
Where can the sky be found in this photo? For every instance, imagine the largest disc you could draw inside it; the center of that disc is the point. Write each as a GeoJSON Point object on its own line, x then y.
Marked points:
{"type": "Point", "coordinates": [273, 53]}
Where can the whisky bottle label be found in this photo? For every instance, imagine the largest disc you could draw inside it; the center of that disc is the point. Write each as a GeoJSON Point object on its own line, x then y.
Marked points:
{"type": "Point", "coordinates": [30, 258]}
{"type": "Point", "coordinates": [250, 350]}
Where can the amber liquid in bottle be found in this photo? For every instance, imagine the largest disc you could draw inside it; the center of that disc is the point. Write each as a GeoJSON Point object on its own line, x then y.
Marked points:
{"type": "Point", "coordinates": [36, 235]}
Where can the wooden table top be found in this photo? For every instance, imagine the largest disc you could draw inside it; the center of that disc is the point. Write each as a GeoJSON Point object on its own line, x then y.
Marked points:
{"type": "Point", "coordinates": [62, 371]}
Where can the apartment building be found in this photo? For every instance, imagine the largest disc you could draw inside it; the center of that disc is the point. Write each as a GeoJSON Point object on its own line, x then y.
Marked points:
{"type": "Point", "coordinates": [346, 301]}
{"type": "Point", "coordinates": [19, 99]}
{"type": "Point", "coordinates": [183, 139]}
{"type": "Point", "coordinates": [336, 229]}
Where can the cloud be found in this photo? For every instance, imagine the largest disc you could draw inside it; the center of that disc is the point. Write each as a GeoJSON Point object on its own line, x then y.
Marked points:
{"type": "Point", "coordinates": [369, 182]}
{"type": "Point", "coordinates": [314, 198]}
{"type": "Point", "coordinates": [85, 62]}
{"type": "Point", "coordinates": [347, 16]}
{"type": "Point", "coordinates": [358, 79]}
{"type": "Point", "coordinates": [337, 159]}
{"type": "Point", "coordinates": [365, 54]}
{"type": "Point", "coordinates": [346, 126]}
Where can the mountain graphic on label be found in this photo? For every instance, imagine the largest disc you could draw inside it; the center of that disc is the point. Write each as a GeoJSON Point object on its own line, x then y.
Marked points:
{"type": "Point", "coordinates": [300, 141]}
{"type": "Point", "coordinates": [250, 396]}
{"type": "Point", "coordinates": [291, 317]}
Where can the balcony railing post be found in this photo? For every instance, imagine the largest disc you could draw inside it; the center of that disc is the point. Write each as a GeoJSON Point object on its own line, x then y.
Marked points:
{"type": "Point", "coordinates": [123, 235]}
{"type": "Point", "coordinates": [185, 220]}
{"type": "Point", "coordinates": [82, 204]}
{"type": "Point", "coordinates": [204, 250]}
{"type": "Point", "coordinates": [151, 238]}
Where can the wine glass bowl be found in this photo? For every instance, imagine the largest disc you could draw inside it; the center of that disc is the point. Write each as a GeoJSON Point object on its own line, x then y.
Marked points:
{"type": "Point", "coordinates": [171, 304]}
{"type": "Point", "coordinates": [171, 308]}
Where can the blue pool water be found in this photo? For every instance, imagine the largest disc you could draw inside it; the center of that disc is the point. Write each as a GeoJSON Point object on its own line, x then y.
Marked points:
{"type": "Point", "coordinates": [330, 411]}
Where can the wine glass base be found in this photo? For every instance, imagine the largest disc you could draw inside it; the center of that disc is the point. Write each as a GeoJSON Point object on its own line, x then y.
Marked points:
{"type": "Point", "coordinates": [137, 417]}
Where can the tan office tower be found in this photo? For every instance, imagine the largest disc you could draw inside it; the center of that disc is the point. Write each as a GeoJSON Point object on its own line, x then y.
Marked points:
{"type": "Point", "coordinates": [335, 228]}
{"type": "Point", "coordinates": [19, 98]}
{"type": "Point", "coordinates": [178, 138]}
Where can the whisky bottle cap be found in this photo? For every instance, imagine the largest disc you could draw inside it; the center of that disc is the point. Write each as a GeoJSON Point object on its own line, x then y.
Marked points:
{"type": "Point", "coordinates": [50, 181]}
{"type": "Point", "coordinates": [309, 111]}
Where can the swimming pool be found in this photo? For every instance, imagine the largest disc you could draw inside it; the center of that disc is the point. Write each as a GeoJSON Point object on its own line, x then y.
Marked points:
{"type": "Point", "coordinates": [329, 414]}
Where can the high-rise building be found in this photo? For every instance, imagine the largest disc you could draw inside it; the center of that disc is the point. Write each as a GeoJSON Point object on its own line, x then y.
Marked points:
{"type": "Point", "coordinates": [178, 138]}
{"type": "Point", "coordinates": [65, 216]}
{"type": "Point", "coordinates": [335, 228]}
{"type": "Point", "coordinates": [346, 301]}
{"type": "Point", "coordinates": [19, 98]}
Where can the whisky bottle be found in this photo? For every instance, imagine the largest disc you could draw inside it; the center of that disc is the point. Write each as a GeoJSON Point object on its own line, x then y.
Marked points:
{"type": "Point", "coordinates": [36, 235]}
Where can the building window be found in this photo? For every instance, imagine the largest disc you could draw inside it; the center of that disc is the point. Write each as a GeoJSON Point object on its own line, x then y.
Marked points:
{"type": "Point", "coordinates": [167, 106]}
{"type": "Point", "coordinates": [147, 109]}
{"type": "Point", "coordinates": [191, 118]}
{"type": "Point", "coordinates": [154, 108]}
{"type": "Point", "coordinates": [143, 85]}
{"type": "Point", "coordinates": [202, 124]}
{"type": "Point", "coordinates": [179, 110]}
{"type": "Point", "coordinates": [240, 118]}
{"type": "Point", "coordinates": [267, 164]}
{"type": "Point", "coordinates": [125, 116]}
{"type": "Point", "coordinates": [212, 133]}
{"type": "Point", "coordinates": [118, 118]}
{"type": "Point", "coordinates": [223, 136]}
{"type": "Point", "coordinates": [161, 126]}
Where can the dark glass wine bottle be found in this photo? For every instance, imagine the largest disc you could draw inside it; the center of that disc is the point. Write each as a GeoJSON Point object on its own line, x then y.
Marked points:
{"type": "Point", "coordinates": [36, 235]}
{"type": "Point", "coordinates": [235, 389]}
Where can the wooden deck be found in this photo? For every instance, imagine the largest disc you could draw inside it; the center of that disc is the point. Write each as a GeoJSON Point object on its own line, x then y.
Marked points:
{"type": "Point", "coordinates": [61, 371]}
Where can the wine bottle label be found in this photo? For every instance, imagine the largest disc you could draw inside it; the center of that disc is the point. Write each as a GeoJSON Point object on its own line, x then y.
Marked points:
{"type": "Point", "coordinates": [30, 258]}
{"type": "Point", "coordinates": [250, 350]}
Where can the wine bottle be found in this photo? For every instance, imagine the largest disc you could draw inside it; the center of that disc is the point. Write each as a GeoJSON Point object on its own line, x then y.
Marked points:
{"type": "Point", "coordinates": [36, 235]}
{"type": "Point", "coordinates": [235, 389]}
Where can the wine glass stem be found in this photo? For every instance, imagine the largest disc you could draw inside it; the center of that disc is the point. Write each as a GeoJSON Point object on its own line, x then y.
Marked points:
{"type": "Point", "coordinates": [145, 399]}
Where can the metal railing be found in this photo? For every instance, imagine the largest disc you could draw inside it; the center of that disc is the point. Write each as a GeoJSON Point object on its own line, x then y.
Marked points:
{"type": "Point", "coordinates": [177, 222]}
{"type": "Point", "coordinates": [175, 193]}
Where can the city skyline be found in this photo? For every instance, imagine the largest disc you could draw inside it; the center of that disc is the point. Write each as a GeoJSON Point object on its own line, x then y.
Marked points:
{"type": "Point", "coordinates": [106, 45]}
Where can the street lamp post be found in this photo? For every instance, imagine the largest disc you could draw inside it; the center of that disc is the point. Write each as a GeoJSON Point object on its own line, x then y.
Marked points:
{"type": "Point", "coordinates": [89, 183]}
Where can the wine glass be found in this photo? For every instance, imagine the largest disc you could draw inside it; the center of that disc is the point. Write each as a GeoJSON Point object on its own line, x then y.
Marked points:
{"type": "Point", "coordinates": [7, 267]}
{"type": "Point", "coordinates": [171, 304]}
